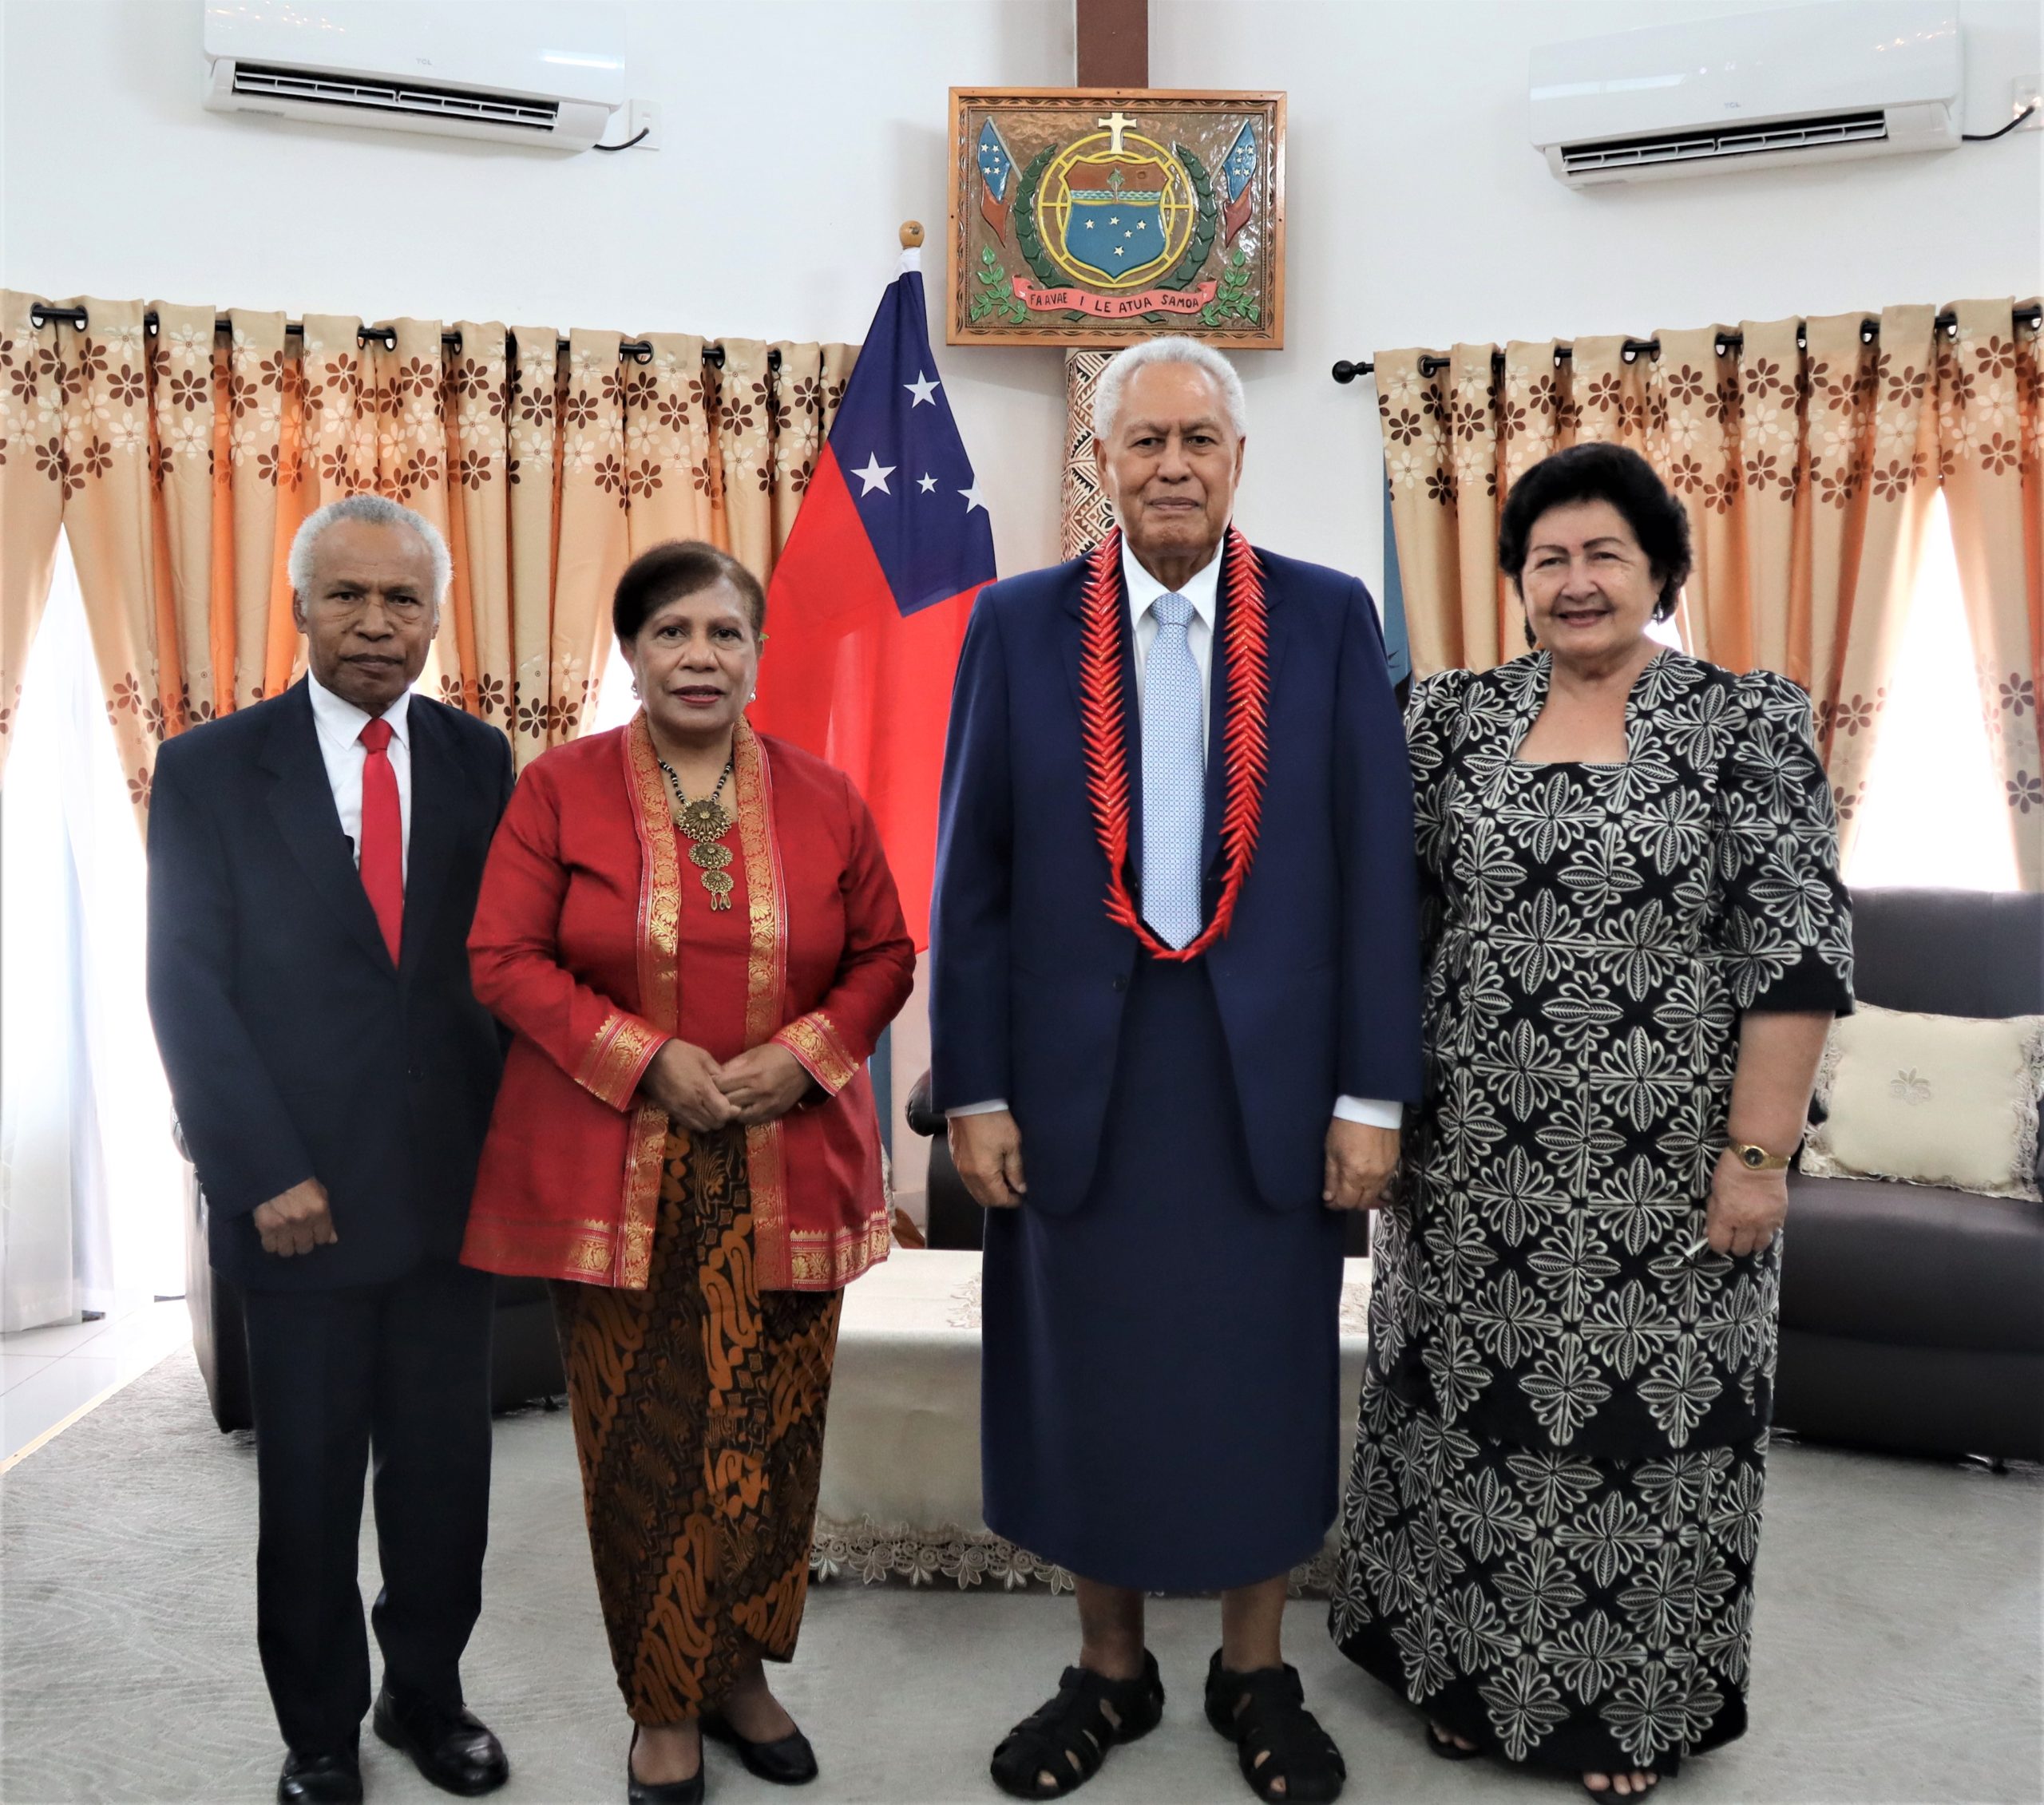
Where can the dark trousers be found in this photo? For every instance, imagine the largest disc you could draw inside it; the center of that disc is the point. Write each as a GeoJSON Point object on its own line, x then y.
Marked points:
{"type": "Point", "coordinates": [402, 1369]}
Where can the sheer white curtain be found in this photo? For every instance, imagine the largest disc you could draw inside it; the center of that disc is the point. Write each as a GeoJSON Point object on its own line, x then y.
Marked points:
{"type": "Point", "coordinates": [91, 1187]}
{"type": "Point", "coordinates": [1933, 814]}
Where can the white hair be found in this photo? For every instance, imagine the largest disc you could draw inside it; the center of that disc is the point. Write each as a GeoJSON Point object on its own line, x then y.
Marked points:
{"type": "Point", "coordinates": [376, 510]}
{"type": "Point", "coordinates": [1166, 348]}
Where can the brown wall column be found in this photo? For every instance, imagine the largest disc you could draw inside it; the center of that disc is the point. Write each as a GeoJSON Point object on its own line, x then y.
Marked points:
{"type": "Point", "coordinates": [1113, 43]}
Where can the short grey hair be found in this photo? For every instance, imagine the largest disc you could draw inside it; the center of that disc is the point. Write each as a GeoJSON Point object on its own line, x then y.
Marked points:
{"type": "Point", "coordinates": [1168, 348]}
{"type": "Point", "coordinates": [376, 510]}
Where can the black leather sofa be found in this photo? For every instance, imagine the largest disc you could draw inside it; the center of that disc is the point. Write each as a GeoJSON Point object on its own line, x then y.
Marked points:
{"type": "Point", "coordinates": [1912, 1318]}
{"type": "Point", "coordinates": [524, 1357]}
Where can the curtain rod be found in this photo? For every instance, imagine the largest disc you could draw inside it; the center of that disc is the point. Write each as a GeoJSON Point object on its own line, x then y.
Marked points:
{"type": "Point", "coordinates": [41, 314]}
{"type": "Point", "coordinates": [1870, 329]}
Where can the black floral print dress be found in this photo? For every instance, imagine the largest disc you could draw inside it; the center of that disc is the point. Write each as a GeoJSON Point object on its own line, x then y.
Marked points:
{"type": "Point", "coordinates": [1550, 1527]}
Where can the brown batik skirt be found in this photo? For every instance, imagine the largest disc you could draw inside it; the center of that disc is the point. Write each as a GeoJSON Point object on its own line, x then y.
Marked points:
{"type": "Point", "coordinates": [698, 1406]}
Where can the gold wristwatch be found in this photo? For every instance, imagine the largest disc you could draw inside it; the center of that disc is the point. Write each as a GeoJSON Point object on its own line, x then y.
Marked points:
{"type": "Point", "coordinates": [1758, 1159]}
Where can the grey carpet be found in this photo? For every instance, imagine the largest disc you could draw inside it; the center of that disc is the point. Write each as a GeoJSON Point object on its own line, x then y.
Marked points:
{"type": "Point", "coordinates": [1896, 1653]}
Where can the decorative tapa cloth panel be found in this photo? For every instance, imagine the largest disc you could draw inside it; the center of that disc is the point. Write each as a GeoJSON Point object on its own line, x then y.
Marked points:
{"type": "Point", "coordinates": [900, 1495]}
{"type": "Point", "coordinates": [1086, 516]}
{"type": "Point", "coordinates": [1807, 471]}
{"type": "Point", "coordinates": [180, 464]}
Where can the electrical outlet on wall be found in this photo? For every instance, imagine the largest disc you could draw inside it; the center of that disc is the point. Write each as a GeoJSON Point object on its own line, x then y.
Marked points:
{"type": "Point", "coordinates": [643, 116]}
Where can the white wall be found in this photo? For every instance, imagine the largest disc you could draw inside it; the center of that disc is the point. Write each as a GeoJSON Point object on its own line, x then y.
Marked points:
{"type": "Point", "coordinates": [798, 134]}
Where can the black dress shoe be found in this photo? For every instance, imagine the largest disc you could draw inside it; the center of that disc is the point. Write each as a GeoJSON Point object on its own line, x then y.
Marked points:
{"type": "Point", "coordinates": [637, 1792]}
{"type": "Point", "coordinates": [789, 1761]}
{"type": "Point", "coordinates": [449, 1746]}
{"type": "Point", "coordinates": [319, 1779]}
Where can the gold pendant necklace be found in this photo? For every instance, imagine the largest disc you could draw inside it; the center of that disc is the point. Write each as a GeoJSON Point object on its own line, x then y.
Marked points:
{"type": "Point", "coordinates": [706, 822]}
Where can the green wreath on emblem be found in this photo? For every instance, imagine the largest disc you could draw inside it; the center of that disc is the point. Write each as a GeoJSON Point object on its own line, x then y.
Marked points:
{"type": "Point", "coordinates": [1203, 227]}
{"type": "Point", "coordinates": [1029, 239]}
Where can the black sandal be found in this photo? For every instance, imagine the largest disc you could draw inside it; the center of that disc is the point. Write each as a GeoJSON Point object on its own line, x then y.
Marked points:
{"type": "Point", "coordinates": [1069, 1737]}
{"type": "Point", "coordinates": [1264, 1715]}
{"type": "Point", "coordinates": [1446, 1748]}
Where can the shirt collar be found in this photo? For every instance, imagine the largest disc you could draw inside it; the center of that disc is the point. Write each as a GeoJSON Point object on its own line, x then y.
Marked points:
{"type": "Point", "coordinates": [1202, 588]}
{"type": "Point", "coordinates": [340, 723]}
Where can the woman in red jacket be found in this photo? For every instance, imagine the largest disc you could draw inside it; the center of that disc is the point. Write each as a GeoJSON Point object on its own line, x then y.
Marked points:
{"type": "Point", "coordinates": [694, 934]}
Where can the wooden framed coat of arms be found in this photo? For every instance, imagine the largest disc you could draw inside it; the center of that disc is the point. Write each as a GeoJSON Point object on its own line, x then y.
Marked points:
{"type": "Point", "coordinates": [1087, 217]}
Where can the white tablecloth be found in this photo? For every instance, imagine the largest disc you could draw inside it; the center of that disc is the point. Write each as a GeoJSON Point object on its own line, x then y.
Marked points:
{"type": "Point", "coordinates": [901, 1483]}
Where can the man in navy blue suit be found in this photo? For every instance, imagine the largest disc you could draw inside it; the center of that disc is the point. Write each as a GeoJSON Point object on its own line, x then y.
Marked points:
{"type": "Point", "coordinates": [313, 868]}
{"type": "Point", "coordinates": [1175, 1017]}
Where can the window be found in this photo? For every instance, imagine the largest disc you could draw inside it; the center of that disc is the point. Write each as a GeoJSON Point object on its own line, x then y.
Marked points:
{"type": "Point", "coordinates": [92, 1188]}
{"type": "Point", "coordinates": [1933, 814]}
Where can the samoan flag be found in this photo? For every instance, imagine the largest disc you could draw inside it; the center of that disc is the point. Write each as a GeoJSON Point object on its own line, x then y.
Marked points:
{"type": "Point", "coordinates": [996, 171]}
{"type": "Point", "coordinates": [868, 605]}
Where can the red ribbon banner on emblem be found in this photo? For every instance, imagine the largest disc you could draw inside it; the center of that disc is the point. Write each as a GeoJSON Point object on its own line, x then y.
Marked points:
{"type": "Point", "coordinates": [1113, 307]}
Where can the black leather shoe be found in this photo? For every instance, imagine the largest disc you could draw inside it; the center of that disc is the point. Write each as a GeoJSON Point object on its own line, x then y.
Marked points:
{"type": "Point", "coordinates": [789, 1761]}
{"type": "Point", "coordinates": [319, 1779]}
{"type": "Point", "coordinates": [450, 1747]}
{"type": "Point", "coordinates": [637, 1792]}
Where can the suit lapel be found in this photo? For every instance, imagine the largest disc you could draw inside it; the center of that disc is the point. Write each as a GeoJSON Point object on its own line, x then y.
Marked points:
{"type": "Point", "coordinates": [301, 801]}
{"type": "Point", "coordinates": [436, 819]}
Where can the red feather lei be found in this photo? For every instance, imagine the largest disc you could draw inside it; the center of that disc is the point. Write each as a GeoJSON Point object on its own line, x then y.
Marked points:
{"type": "Point", "coordinates": [1245, 742]}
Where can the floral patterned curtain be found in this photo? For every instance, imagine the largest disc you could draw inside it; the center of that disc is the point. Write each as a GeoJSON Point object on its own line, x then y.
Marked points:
{"type": "Point", "coordinates": [1807, 455]}
{"type": "Point", "coordinates": [179, 460]}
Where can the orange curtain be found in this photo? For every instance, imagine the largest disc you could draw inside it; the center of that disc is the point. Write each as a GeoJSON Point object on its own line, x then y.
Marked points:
{"type": "Point", "coordinates": [1807, 454]}
{"type": "Point", "coordinates": [180, 459]}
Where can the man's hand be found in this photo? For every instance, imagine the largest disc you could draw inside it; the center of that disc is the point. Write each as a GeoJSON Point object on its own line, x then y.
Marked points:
{"type": "Point", "coordinates": [987, 1150]}
{"type": "Point", "coordinates": [763, 1084]}
{"type": "Point", "coordinates": [1746, 1207]}
{"type": "Point", "coordinates": [682, 1080]}
{"type": "Point", "coordinates": [296, 1221]}
{"type": "Point", "coordinates": [1361, 1160]}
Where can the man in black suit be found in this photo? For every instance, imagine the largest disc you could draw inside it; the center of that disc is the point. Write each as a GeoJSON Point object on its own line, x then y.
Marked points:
{"type": "Point", "coordinates": [314, 862]}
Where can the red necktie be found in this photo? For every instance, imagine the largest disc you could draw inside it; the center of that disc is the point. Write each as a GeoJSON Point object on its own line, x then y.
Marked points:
{"type": "Point", "coordinates": [382, 836]}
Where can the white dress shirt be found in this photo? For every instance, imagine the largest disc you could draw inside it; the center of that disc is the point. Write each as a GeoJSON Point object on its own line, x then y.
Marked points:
{"type": "Point", "coordinates": [339, 725]}
{"type": "Point", "coordinates": [1202, 589]}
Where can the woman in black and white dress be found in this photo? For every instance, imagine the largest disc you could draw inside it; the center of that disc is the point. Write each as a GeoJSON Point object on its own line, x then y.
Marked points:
{"type": "Point", "coordinates": [1636, 938]}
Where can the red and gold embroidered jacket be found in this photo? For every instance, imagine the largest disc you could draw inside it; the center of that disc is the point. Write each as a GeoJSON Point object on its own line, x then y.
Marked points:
{"type": "Point", "coordinates": [595, 941]}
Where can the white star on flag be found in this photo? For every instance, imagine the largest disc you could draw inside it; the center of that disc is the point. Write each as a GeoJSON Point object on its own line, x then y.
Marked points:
{"type": "Point", "coordinates": [923, 388]}
{"type": "Point", "coordinates": [973, 498]}
{"type": "Point", "coordinates": [875, 475]}
{"type": "Point", "coordinates": [927, 485]}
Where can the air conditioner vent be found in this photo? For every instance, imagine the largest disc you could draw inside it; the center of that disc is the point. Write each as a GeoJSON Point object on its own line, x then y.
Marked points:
{"type": "Point", "coordinates": [1727, 141]}
{"type": "Point", "coordinates": [367, 95]}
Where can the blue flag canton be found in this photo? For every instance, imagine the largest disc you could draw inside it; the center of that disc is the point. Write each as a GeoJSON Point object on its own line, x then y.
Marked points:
{"type": "Point", "coordinates": [1242, 162]}
{"type": "Point", "coordinates": [898, 449]}
{"type": "Point", "coordinates": [996, 164]}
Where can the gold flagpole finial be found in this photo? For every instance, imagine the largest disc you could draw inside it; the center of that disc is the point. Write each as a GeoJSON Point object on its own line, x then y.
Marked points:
{"type": "Point", "coordinates": [912, 234]}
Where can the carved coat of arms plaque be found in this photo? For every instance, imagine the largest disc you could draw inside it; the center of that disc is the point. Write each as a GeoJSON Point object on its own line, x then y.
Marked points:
{"type": "Point", "coordinates": [1090, 216]}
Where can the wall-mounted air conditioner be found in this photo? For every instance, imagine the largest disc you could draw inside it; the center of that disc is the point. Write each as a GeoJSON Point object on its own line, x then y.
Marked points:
{"type": "Point", "coordinates": [1804, 85]}
{"type": "Point", "coordinates": [532, 72]}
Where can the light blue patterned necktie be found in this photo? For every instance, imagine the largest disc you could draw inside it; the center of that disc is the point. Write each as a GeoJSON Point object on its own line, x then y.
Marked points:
{"type": "Point", "coordinates": [1174, 778]}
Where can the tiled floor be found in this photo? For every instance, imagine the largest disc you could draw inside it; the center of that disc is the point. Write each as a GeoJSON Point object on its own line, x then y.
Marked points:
{"type": "Point", "coordinates": [47, 1373]}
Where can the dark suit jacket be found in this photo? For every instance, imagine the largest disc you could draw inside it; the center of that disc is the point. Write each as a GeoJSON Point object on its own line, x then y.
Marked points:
{"type": "Point", "coordinates": [295, 1048]}
{"type": "Point", "coordinates": [1317, 981]}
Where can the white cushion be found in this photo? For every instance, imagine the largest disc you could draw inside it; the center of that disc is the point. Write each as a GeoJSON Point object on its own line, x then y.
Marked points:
{"type": "Point", "coordinates": [1947, 1100]}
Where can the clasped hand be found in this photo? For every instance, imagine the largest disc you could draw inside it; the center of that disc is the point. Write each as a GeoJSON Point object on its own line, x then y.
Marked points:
{"type": "Point", "coordinates": [757, 1086]}
{"type": "Point", "coordinates": [296, 1221]}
